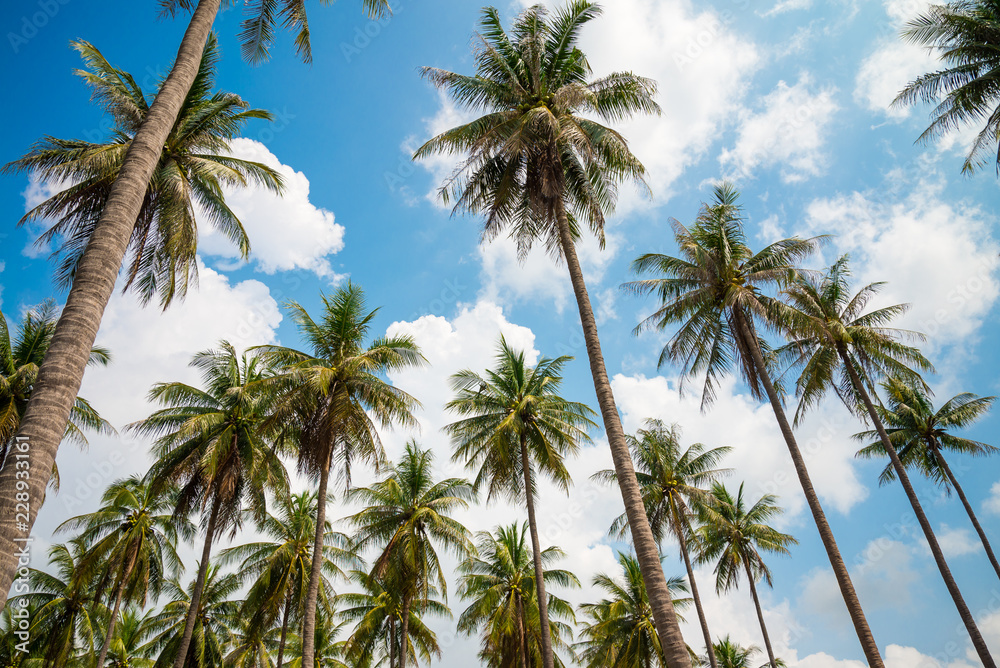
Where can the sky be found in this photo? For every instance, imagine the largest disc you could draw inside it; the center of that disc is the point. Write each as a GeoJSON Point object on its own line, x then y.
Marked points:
{"type": "Point", "coordinates": [787, 98]}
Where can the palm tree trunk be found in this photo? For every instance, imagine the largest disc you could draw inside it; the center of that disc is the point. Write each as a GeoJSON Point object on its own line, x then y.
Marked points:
{"type": "Point", "coordinates": [850, 596]}
{"type": "Point", "coordinates": [199, 585]}
{"type": "Point", "coordinates": [968, 506]}
{"type": "Point", "coordinates": [315, 571]}
{"type": "Point", "coordinates": [760, 617]}
{"type": "Point", "coordinates": [664, 616]}
{"type": "Point", "coordinates": [682, 539]}
{"type": "Point", "coordinates": [522, 633]}
{"type": "Point", "coordinates": [548, 661]}
{"type": "Point", "coordinates": [392, 643]}
{"type": "Point", "coordinates": [284, 629]}
{"type": "Point", "coordinates": [119, 592]}
{"type": "Point", "coordinates": [61, 372]}
{"type": "Point", "coordinates": [925, 525]}
{"type": "Point", "coordinates": [404, 631]}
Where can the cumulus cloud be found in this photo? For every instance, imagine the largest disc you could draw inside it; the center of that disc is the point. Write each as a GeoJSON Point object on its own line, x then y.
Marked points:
{"type": "Point", "coordinates": [992, 503]}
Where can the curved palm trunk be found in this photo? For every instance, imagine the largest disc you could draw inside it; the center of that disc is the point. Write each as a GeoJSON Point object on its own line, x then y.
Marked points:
{"type": "Point", "coordinates": [956, 595]}
{"type": "Point", "coordinates": [284, 630]}
{"type": "Point", "coordinates": [760, 617]}
{"type": "Point", "coordinates": [404, 631]}
{"type": "Point", "coordinates": [521, 632]}
{"type": "Point", "coordinates": [315, 572]}
{"type": "Point", "coordinates": [968, 506]}
{"type": "Point", "coordinates": [199, 586]}
{"type": "Point", "coordinates": [854, 608]}
{"type": "Point", "coordinates": [682, 539]}
{"type": "Point", "coordinates": [548, 660]}
{"type": "Point", "coordinates": [119, 592]}
{"type": "Point", "coordinates": [664, 616]}
{"type": "Point", "coordinates": [61, 372]}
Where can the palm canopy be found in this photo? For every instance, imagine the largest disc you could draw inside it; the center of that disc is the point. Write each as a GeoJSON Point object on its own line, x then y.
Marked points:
{"type": "Point", "coordinates": [716, 292]}
{"type": "Point", "coordinates": [917, 430]}
{"type": "Point", "coordinates": [536, 148]}
{"type": "Point", "coordinates": [499, 581]}
{"type": "Point", "coordinates": [827, 323]}
{"type": "Point", "coordinates": [619, 631]}
{"type": "Point", "coordinates": [966, 36]}
{"type": "Point", "coordinates": [510, 402]}
{"type": "Point", "coordinates": [193, 170]}
{"type": "Point", "coordinates": [733, 655]}
{"type": "Point", "coordinates": [128, 646]}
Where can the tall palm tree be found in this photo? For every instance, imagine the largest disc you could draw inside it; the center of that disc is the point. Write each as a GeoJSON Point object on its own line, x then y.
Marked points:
{"type": "Point", "coordinates": [514, 422]}
{"type": "Point", "coordinates": [330, 400]}
{"type": "Point", "coordinates": [59, 378]}
{"type": "Point", "coordinates": [619, 631]}
{"type": "Point", "coordinates": [715, 291]}
{"type": "Point", "coordinates": [733, 536]}
{"type": "Point", "coordinates": [674, 482]}
{"type": "Point", "coordinates": [279, 569]}
{"type": "Point", "coordinates": [131, 542]}
{"type": "Point", "coordinates": [921, 435]}
{"type": "Point", "coordinates": [128, 646]}
{"type": "Point", "coordinates": [210, 443]}
{"type": "Point", "coordinates": [836, 343]}
{"type": "Point", "coordinates": [504, 608]}
{"type": "Point", "coordinates": [966, 36]}
{"type": "Point", "coordinates": [330, 651]}
{"type": "Point", "coordinates": [539, 164]}
{"type": "Point", "coordinates": [408, 517]}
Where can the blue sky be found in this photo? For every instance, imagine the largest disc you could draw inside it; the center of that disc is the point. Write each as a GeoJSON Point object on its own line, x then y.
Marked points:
{"type": "Point", "coordinates": [789, 100]}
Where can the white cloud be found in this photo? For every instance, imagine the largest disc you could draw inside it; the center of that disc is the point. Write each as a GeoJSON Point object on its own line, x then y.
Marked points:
{"type": "Point", "coordinates": [992, 503]}
{"type": "Point", "coordinates": [37, 192]}
{"type": "Point", "coordinates": [783, 6]}
{"type": "Point", "coordinates": [789, 131]}
{"type": "Point", "coordinates": [956, 542]}
{"type": "Point", "coordinates": [286, 232]}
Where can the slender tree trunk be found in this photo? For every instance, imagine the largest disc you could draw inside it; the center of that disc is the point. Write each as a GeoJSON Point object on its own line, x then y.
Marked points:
{"type": "Point", "coordinates": [548, 661]}
{"type": "Point", "coordinates": [284, 629]}
{"type": "Point", "coordinates": [682, 539]}
{"type": "Point", "coordinates": [392, 643]}
{"type": "Point", "coordinates": [61, 372]}
{"type": "Point", "coordinates": [854, 608]}
{"type": "Point", "coordinates": [404, 631]}
{"type": "Point", "coordinates": [199, 585]}
{"type": "Point", "coordinates": [760, 617]}
{"type": "Point", "coordinates": [968, 506]}
{"type": "Point", "coordinates": [119, 592]}
{"type": "Point", "coordinates": [315, 571]}
{"type": "Point", "coordinates": [664, 616]}
{"type": "Point", "coordinates": [522, 631]}
{"type": "Point", "coordinates": [956, 595]}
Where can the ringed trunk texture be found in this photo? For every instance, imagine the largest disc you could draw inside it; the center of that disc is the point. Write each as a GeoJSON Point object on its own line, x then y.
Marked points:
{"type": "Point", "coordinates": [949, 580]}
{"type": "Point", "coordinates": [199, 586]}
{"type": "Point", "coordinates": [760, 617]}
{"type": "Point", "coordinates": [61, 372]}
{"type": "Point", "coordinates": [119, 592]}
{"type": "Point", "coordinates": [284, 630]}
{"type": "Point", "coordinates": [315, 573]}
{"type": "Point", "coordinates": [854, 608]}
{"type": "Point", "coordinates": [536, 553]}
{"type": "Point", "coordinates": [674, 650]}
{"type": "Point", "coordinates": [404, 632]}
{"type": "Point", "coordinates": [697, 599]}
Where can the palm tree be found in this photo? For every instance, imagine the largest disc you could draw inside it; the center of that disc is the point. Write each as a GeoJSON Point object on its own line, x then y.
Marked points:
{"type": "Point", "coordinates": [132, 542]}
{"type": "Point", "coordinates": [673, 485]}
{"type": "Point", "coordinates": [280, 568]}
{"type": "Point", "coordinates": [732, 655]}
{"type": "Point", "coordinates": [836, 343]}
{"type": "Point", "coordinates": [619, 632]}
{"type": "Point", "coordinates": [20, 358]}
{"type": "Point", "coordinates": [16, 646]}
{"type": "Point", "coordinates": [504, 607]}
{"type": "Point", "coordinates": [330, 399]}
{"type": "Point", "coordinates": [59, 378]}
{"type": "Point", "coordinates": [516, 421]}
{"type": "Point", "coordinates": [920, 435]}
{"type": "Point", "coordinates": [128, 646]}
{"type": "Point", "coordinates": [966, 35]}
{"type": "Point", "coordinates": [251, 645]}
{"type": "Point", "coordinates": [734, 536]}
{"type": "Point", "coordinates": [330, 652]}
{"type": "Point", "coordinates": [407, 517]}
{"type": "Point", "coordinates": [538, 164]}
{"type": "Point", "coordinates": [715, 291]}
{"type": "Point", "coordinates": [210, 443]}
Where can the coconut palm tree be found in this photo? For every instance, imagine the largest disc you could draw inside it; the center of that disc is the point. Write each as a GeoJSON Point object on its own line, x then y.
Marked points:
{"type": "Point", "coordinates": [539, 164]}
{"type": "Point", "coordinates": [715, 291]}
{"type": "Point", "coordinates": [330, 650]}
{"type": "Point", "coordinates": [407, 518]}
{"type": "Point", "coordinates": [966, 36]}
{"type": "Point", "coordinates": [733, 536]}
{"type": "Point", "coordinates": [211, 445]}
{"type": "Point", "coordinates": [504, 606]}
{"type": "Point", "coordinates": [16, 642]}
{"type": "Point", "coordinates": [331, 399]}
{"type": "Point", "coordinates": [674, 482]}
{"type": "Point", "coordinates": [619, 631]}
{"type": "Point", "coordinates": [921, 436]}
{"type": "Point", "coordinates": [279, 569]}
{"type": "Point", "coordinates": [514, 422]}
{"type": "Point", "coordinates": [732, 655]}
{"type": "Point", "coordinates": [836, 343]}
{"type": "Point", "coordinates": [59, 378]}
{"type": "Point", "coordinates": [131, 543]}
{"type": "Point", "coordinates": [128, 646]}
